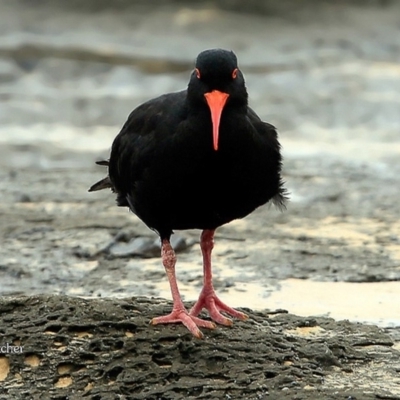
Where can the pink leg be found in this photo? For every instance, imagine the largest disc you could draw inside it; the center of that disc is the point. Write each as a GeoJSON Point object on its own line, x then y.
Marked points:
{"type": "Point", "coordinates": [179, 312]}
{"type": "Point", "coordinates": [208, 298]}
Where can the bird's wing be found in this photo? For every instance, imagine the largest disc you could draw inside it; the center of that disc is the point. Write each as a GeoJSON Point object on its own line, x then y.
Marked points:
{"type": "Point", "coordinates": [265, 130]}
{"type": "Point", "coordinates": [267, 134]}
{"type": "Point", "coordinates": [131, 146]}
{"type": "Point", "coordinates": [134, 147]}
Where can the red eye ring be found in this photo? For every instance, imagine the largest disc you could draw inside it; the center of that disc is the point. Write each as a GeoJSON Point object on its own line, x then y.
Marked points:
{"type": "Point", "coordinates": [197, 73]}
{"type": "Point", "coordinates": [234, 73]}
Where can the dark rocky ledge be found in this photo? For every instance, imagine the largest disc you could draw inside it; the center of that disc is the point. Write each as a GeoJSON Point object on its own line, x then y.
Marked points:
{"type": "Point", "coordinates": [102, 349]}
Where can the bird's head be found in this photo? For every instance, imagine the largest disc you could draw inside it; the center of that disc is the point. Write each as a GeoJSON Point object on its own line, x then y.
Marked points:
{"type": "Point", "coordinates": [217, 81]}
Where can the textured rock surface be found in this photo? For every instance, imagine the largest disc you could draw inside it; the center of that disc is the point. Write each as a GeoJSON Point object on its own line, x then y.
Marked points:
{"type": "Point", "coordinates": [105, 349]}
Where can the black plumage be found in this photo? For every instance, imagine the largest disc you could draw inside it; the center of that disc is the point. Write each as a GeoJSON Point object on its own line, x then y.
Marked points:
{"type": "Point", "coordinates": [169, 169]}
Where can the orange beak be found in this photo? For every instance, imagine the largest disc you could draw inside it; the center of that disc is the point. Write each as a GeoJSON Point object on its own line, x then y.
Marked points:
{"type": "Point", "coordinates": [216, 101]}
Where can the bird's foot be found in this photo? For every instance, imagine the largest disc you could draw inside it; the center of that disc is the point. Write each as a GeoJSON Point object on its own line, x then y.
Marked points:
{"type": "Point", "coordinates": [210, 301]}
{"type": "Point", "coordinates": [182, 316]}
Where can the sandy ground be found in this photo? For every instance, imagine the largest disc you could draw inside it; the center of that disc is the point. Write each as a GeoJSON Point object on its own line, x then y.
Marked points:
{"type": "Point", "coordinates": [328, 80]}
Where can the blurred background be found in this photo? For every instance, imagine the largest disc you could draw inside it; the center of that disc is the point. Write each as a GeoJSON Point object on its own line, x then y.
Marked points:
{"type": "Point", "coordinates": [70, 72]}
{"type": "Point", "coordinates": [325, 73]}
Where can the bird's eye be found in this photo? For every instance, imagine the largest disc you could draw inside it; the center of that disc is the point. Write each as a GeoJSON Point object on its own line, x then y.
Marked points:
{"type": "Point", "coordinates": [197, 73]}
{"type": "Point", "coordinates": [234, 73]}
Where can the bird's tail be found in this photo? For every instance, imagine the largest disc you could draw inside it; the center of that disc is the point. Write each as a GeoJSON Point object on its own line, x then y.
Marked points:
{"type": "Point", "coordinates": [105, 183]}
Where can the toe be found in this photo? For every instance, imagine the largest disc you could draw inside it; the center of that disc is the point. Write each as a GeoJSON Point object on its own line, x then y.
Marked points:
{"type": "Point", "coordinates": [214, 306]}
{"type": "Point", "coordinates": [242, 316]}
{"type": "Point", "coordinates": [181, 316]}
{"type": "Point", "coordinates": [202, 323]}
{"type": "Point", "coordinates": [219, 318]}
{"type": "Point", "coordinates": [229, 310]}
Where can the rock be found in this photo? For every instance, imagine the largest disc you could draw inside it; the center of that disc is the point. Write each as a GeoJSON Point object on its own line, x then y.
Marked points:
{"type": "Point", "coordinates": [125, 235]}
{"type": "Point", "coordinates": [178, 243]}
{"type": "Point", "coordinates": [24, 198]}
{"type": "Point", "coordinates": [93, 348]}
{"type": "Point", "coordinates": [145, 247]}
{"type": "Point", "coordinates": [140, 247]}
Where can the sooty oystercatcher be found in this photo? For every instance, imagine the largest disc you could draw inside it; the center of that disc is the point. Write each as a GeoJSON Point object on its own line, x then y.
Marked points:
{"type": "Point", "coordinates": [196, 159]}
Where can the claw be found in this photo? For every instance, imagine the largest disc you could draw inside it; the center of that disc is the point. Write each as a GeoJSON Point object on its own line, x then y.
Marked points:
{"type": "Point", "coordinates": [209, 300]}
{"type": "Point", "coordinates": [182, 316]}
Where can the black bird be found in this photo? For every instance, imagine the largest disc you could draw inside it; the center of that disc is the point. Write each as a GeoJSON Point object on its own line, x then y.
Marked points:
{"type": "Point", "coordinates": [196, 159]}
